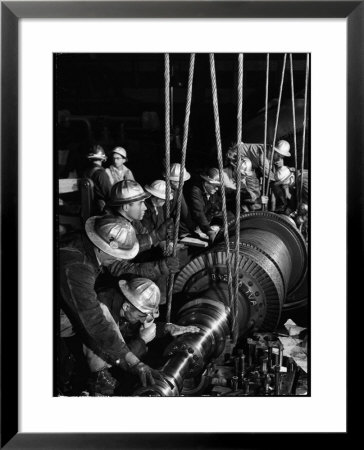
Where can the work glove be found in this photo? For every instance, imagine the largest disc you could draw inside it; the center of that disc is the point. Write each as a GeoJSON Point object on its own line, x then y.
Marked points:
{"type": "Point", "coordinates": [148, 333]}
{"type": "Point", "coordinates": [170, 264]}
{"type": "Point", "coordinates": [165, 230]}
{"type": "Point", "coordinates": [146, 374]}
{"type": "Point", "coordinates": [176, 330]}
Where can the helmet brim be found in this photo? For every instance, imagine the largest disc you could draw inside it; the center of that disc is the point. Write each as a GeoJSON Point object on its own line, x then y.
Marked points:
{"type": "Point", "coordinates": [210, 180]}
{"type": "Point", "coordinates": [282, 153]}
{"type": "Point", "coordinates": [186, 177]}
{"type": "Point", "coordinates": [157, 193]}
{"type": "Point", "coordinates": [100, 158]}
{"type": "Point", "coordinates": [102, 245]}
{"type": "Point", "coordinates": [137, 198]}
{"type": "Point", "coordinates": [133, 300]}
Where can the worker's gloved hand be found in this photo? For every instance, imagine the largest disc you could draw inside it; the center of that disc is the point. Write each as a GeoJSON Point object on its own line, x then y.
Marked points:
{"type": "Point", "coordinates": [165, 230]}
{"type": "Point", "coordinates": [170, 264]}
{"type": "Point", "coordinates": [146, 374]}
{"type": "Point", "coordinates": [176, 330]}
{"type": "Point", "coordinates": [148, 333]}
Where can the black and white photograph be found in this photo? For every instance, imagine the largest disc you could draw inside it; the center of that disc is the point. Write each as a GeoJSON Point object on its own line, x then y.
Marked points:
{"type": "Point", "coordinates": [182, 224]}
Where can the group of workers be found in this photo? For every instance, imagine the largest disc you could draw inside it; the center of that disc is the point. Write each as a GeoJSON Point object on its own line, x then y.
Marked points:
{"type": "Point", "coordinates": [113, 275]}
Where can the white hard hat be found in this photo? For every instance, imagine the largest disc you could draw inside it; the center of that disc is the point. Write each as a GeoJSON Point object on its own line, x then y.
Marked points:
{"type": "Point", "coordinates": [175, 173]}
{"type": "Point", "coordinates": [212, 176]}
{"type": "Point", "coordinates": [126, 191]}
{"type": "Point", "coordinates": [143, 294]}
{"type": "Point", "coordinates": [97, 152]}
{"type": "Point", "coordinates": [113, 235]}
{"type": "Point", "coordinates": [120, 151]}
{"type": "Point", "coordinates": [282, 147]}
{"type": "Point", "coordinates": [158, 189]}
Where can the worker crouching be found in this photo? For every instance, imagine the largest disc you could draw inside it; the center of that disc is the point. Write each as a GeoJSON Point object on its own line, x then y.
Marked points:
{"type": "Point", "coordinates": [134, 307]}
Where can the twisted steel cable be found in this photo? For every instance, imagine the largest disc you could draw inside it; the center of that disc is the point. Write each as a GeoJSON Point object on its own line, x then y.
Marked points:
{"type": "Point", "coordinates": [294, 122]}
{"type": "Point", "coordinates": [181, 181]}
{"type": "Point", "coordinates": [220, 161]}
{"type": "Point", "coordinates": [238, 187]}
{"type": "Point", "coordinates": [265, 127]}
{"type": "Point", "coordinates": [277, 120]}
{"type": "Point", "coordinates": [304, 123]}
{"type": "Point", "coordinates": [167, 133]}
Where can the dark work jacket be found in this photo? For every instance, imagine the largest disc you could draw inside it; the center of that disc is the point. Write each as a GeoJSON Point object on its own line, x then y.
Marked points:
{"type": "Point", "coordinates": [202, 209]}
{"type": "Point", "coordinates": [102, 187]}
{"type": "Point", "coordinates": [114, 300]}
{"type": "Point", "coordinates": [186, 224]}
{"type": "Point", "coordinates": [151, 220]}
{"type": "Point", "coordinates": [78, 270]}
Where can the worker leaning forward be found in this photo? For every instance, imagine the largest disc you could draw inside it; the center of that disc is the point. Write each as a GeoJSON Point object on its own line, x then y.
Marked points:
{"type": "Point", "coordinates": [127, 200]}
{"type": "Point", "coordinates": [134, 305]}
{"type": "Point", "coordinates": [109, 241]}
{"type": "Point", "coordinates": [255, 152]}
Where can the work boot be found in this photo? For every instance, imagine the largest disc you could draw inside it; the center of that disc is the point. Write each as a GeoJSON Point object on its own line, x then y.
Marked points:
{"type": "Point", "coordinates": [101, 384]}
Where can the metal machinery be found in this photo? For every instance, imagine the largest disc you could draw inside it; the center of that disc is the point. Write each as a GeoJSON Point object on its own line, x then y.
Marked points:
{"type": "Point", "coordinates": [272, 266]}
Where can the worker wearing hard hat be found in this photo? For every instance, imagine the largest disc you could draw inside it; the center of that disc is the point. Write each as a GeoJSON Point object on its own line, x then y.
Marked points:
{"type": "Point", "coordinates": [204, 202]}
{"type": "Point", "coordinates": [249, 188]}
{"type": "Point", "coordinates": [134, 306]}
{"type": "Point", "coordinates": [283, 190]}
{"type": "Point", "coordinates": [128, 200]}
{"type": "Point", "coordinates": [101, 182]}
{"type": "Point", "coordinates": [154, 215]}
{"type": "Point", "coordinates": [82, 256]}
{"type": "Point", "coordinates": [186, 225]}
{"type": "Point", "coordinates": [255, 152]}
{"type": "Point", "coordinates": [118, 170]}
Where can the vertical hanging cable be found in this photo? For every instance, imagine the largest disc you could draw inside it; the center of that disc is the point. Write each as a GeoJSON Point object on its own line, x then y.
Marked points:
{"type": "Point", "coordinates": [167, 135]}
{"type": "Point", "coordinates": [219, 158]}
{"type": "Point", "coordinates": [277, 119]}
{"type": "Point", "coordinates": [238, 187]}
{"type": "Point", "coordinates": [294, 123]}
{"type": "Point", "coordinates": [265, 128]}
{"type": "Point", "coordinates": [304, 124]}
{"type": "Point", "coordinates": [181, 181]}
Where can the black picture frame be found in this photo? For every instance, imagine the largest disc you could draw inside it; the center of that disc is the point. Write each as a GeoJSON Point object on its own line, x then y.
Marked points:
{"type": "Point", "coordinates": [11, 12]}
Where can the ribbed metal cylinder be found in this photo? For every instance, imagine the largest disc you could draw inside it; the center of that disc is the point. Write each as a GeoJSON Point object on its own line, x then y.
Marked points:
{"type": "Point", "coordinates": [272, 264]}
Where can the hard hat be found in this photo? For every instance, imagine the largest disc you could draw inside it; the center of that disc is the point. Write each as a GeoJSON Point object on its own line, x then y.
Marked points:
{"type": "Point", "coordinates": [158, 189]}
{"type": "Point", "coordinates": [120, 151]}
{"type": "Point", "coordinates": [246, 166]}
{"type": "Point", "coordinates": [282, 147]}
{"type": "Point", "coordinates": [143, 294]}
{"type": "Point", "coordinates": [113, 235]}
{"type": "Point", "coordinates": [212, 176]}
{"type": "Point", "coordinates": [283, 176]}
{"type": "Point", "coordinates": [175, 172]}
{"type": "Point", "coordinates": [126, 191]}
{"type": "Point", "coordinates": [97, 152]}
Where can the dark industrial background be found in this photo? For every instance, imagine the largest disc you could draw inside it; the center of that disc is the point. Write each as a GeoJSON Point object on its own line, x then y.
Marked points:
{"type": "Point", "coordinates": [118, 99]}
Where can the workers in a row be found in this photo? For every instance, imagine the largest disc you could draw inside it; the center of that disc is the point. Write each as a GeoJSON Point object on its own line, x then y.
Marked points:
{"type": "Point", "coordinates": [201, 199]}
